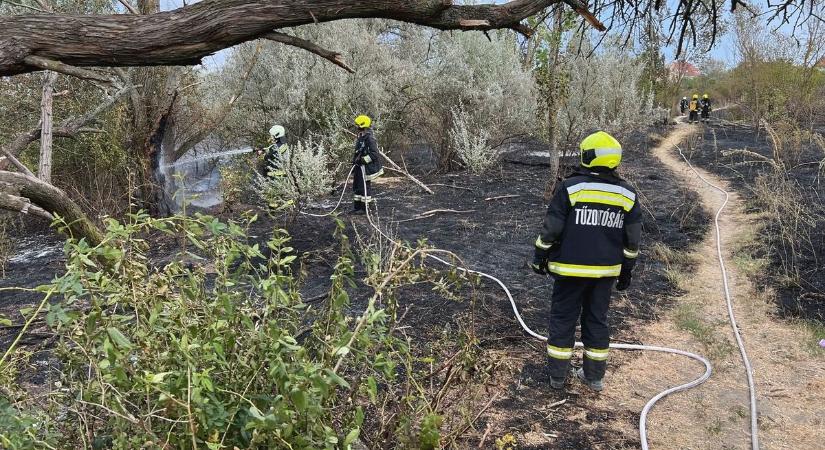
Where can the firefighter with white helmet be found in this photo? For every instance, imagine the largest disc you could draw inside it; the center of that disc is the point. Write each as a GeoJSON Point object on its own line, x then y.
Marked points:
{"type": "Point", "coordinates": [589, 240]}
{"type": "Point", "coordinates": [683, 105]}
{"type": "Point", "coordinates": [277, 153]}
{"type": "Point", "coordinates": [367, 162]}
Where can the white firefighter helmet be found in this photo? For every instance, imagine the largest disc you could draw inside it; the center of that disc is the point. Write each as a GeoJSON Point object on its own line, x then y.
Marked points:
{"type": "Point", "coordinates": [277, 131]}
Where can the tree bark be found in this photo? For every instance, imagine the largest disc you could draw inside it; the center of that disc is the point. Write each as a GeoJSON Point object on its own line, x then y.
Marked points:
{"type": "Point", "coordinates": [44, 169]}
{"type": "Point", "coordinates": [50, 199]}
{"type": "Point", "coordinates": [185, 35]}
{"type": "Point", "coordinates": [554, 101]}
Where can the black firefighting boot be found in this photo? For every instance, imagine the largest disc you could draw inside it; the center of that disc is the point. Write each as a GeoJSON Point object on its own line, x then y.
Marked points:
{"type": "Point", "coordinates": [596, 385]}
{"type": "Point", "coordinates": [557, 383]}
{"type": "Point", "coordinates": [359, 208]}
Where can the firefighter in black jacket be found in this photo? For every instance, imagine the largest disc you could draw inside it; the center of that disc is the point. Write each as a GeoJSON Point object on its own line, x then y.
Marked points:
{"type": "Point", "coordinates": [705, 107]}
{"type": "Point", "coordinates": [590, 238]}
{"type": "Point", "coordinates": [683, 105]}
{"type": "Point", "coordinates": [367, 162]}
{"type": "Point", "coordinates": [277, 153]}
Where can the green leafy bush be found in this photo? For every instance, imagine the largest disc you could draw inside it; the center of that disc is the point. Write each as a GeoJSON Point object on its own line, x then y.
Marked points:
{"type": "Point", "coordinates": [303, 175]}
{"type": "Point", "coordinates": [216, 349]}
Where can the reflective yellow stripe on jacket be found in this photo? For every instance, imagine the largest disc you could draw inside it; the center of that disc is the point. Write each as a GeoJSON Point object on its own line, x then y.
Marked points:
{"type": "Point", "coordinates": [542, 245]}
{"type": "Point", "coordinates": [583, 271]}
{"type": "Point", "coordinates": [631, 254]}
{"type": "Point", "coordinates": [602, 193]}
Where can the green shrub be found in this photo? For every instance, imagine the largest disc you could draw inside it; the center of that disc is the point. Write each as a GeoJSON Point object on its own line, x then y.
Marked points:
{"type": "Point", "coordinates": [216, 349]}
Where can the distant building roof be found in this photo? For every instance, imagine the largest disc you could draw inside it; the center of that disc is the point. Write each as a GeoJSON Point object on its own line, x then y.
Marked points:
{"type": "Point", "coordinates": [684, 68]}
{"type": "Point", "coordinates": [820, 64]}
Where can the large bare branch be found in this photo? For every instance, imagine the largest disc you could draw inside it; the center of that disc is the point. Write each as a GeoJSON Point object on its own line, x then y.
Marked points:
{"type": "Point", "coordinates": [57, 66]}
{"type": "Point", "coordinates": [9, 158]}
{"type": "Point", "coordinates": [294, 41]}
{"type": "Point", "coordinates": [580, 8]}
{"type": "Point", "coordinates": [22, 205]}
{"type": "Point", "coordinates": [185, 35]}
{"type": "Point", "coordinates": [16, 186]}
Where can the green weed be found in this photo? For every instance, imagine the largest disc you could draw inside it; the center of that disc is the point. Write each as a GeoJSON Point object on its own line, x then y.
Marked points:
{"type": "Point", "coordinates": [217, 348]}
{"type": "Point", "coordinates": [687, 318]}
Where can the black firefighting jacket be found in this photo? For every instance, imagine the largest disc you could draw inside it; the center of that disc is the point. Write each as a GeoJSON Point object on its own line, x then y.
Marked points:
{"type": "Point", "coordinates": [592, 226]}
{"type": "Point", "coordinates": [705, 105]}
{"type": "Point", "coordinates": [366, 154]}
{"type": "Point", "coordinates": [275, 154]}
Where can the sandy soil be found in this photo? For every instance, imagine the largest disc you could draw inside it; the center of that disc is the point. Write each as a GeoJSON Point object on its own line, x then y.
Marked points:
{"type": "Point", "coordinates": [788, 369]}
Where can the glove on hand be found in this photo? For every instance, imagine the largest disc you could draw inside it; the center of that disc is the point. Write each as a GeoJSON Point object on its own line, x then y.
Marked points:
{"type": "Point", "coordinates": [624, 282]}
{"type": "Point", "coordinates": [540, 259]}
{"type": "Point", "coordinates": [626, 274]}
{"type": "Point", "coordinates": [539, 267]}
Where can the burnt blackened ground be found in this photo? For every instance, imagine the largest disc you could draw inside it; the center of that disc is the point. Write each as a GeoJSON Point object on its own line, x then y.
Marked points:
{"type": "Point", "coordinates": [495, 236]}
{"type": "Point", "coordinates": [492, 235]}
{"type": "Point", "coordinates": [796, 260]}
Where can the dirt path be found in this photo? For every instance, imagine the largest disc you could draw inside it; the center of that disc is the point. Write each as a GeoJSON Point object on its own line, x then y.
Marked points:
{"type": "Point", "coordinates": [788, 368]}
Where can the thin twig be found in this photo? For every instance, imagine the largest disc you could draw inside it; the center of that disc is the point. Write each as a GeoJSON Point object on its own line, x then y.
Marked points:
{"type": "Point", "coordinates": [453, 186]}
{"type": "Point", "coordinates": [500, 197]}
{"type": "Point", "coordinates": [484, 437]}
{"type": "Point", "coordinates": [431, 213]}
{"type": "Point", "coordinates": [129, 418]}
{"type": "Point", "coordinates": [26, 326]}
{"type": "Point", "coordinates": [396, 168]}
{"type": "Point", "coordinates": [482, 411]}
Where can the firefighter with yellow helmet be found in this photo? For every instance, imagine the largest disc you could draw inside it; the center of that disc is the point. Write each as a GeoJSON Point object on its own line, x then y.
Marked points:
{"type": "Point", "coordinates": [367, 162]}
{"type": "Point", "coordinates": [589, 240]}
{"type": "Point", "coordinates": [693, 109]}
{"type": "Point", "coordinates": [705, 107]}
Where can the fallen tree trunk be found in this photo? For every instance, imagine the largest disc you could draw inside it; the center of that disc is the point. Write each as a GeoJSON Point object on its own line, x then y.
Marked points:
{"type": "Point", "coordinates": [185, 35]}
{"type": "Point", "coordinates": [22, 205]}
{"type": "Point", "coordinates": [17, 187]}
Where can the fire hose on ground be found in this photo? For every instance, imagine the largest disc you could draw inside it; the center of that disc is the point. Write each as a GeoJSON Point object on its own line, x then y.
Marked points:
{"type": "Point", "coordinates": [620, 346]}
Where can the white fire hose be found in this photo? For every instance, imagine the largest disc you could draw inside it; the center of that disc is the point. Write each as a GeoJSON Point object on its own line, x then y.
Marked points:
{"type": "Point", "coordinates": [649, 405]}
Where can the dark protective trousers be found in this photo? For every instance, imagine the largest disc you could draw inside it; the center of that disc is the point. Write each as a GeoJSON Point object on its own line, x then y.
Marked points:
{"type": "Point", "coordinates": [588, 299]}
{"type": "Point", "coordinates": [693, 116]}
{"type": "Point", "coordinates": [362, 192]}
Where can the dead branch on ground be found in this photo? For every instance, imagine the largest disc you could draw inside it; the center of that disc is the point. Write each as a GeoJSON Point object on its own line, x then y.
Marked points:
{"type": "Point", "coordinates": [501, 197]}
{"type": "Point", "coordinates": [396, 168]}
{"type": "Point", "coordinates": [452, 186]}
{"type": "Point", "coordinates": [433, 212]}
{"type": "Point", "coordinates": [19, 189]}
